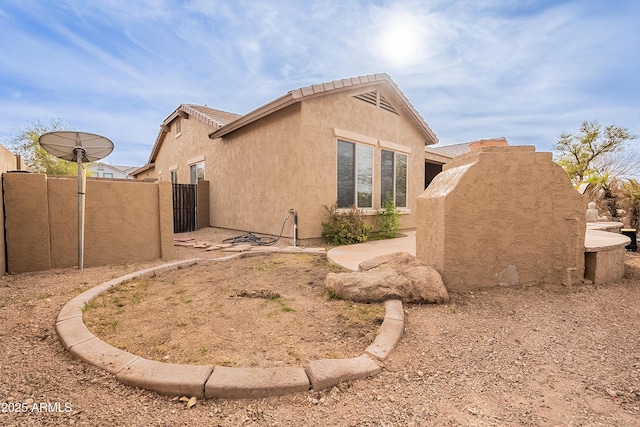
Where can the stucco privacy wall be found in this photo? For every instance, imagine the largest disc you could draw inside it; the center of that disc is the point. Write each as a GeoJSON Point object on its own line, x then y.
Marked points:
{"type": "Point", "coordinates": [288, 160]}
{"type": "Point", "coordinates": [501, 216]}
{"type": "Point", "coordinates": [125, 221]}
{"type": "Point", "coordinates": [8, 162]}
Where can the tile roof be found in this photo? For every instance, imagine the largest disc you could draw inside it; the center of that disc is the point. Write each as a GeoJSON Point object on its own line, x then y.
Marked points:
{"type": "Point", "coordinates": [224, 122]}
{"type": "Point", "coordinates": [454, 150]}
{"type": "Point", "coordinates": [321, 89]}
{"type": "Point", "coordinates": [451, 150]}
{"type": "Point", "coordinates": [213, 117]}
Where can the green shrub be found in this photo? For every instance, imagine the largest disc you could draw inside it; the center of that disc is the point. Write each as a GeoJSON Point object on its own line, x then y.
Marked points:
{"type": "Point", "coordinates": [388, 219]}
{"type": "Point", "coordinates": [345, 227]}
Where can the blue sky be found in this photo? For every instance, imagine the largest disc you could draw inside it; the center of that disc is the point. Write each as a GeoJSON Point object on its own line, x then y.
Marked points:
{"type": "Point", "coordinates": [523, 69]}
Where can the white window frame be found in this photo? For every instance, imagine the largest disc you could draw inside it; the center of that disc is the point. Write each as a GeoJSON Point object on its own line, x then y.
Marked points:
{"type": "Point", "coordinates": [193, 179]}
{"type": "Point", "coordinates": [394, 194]}
{"type": "Point", "coordinates": [356, 145]}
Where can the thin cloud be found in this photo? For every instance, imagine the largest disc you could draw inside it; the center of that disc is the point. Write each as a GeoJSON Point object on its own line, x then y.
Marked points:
{"type": "Point", "coordinates": [473, 69]}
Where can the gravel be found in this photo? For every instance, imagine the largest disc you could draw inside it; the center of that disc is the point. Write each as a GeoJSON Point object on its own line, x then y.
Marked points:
{"type": "Point", "coordinates": [545, 355]}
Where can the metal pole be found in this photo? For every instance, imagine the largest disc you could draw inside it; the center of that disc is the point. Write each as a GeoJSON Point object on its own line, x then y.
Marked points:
{"type": "Point", "coordinates": [295, 228]}
{"type": "Point", "coordinates": [81, 185]}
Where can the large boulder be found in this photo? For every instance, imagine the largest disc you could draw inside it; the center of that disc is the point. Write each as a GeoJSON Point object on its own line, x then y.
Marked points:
{"type": "Point", "coordinates": [394, 276]}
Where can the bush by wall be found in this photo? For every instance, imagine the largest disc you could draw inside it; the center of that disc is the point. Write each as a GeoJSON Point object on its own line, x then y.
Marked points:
{"type": "Point", "coordinates": [388, 219]}
{"type": "Point", "coordinates": [345, 227]}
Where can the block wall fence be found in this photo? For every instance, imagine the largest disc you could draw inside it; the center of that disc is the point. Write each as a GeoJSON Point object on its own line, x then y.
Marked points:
{"type": "Point", "coordinates": [125, 221]}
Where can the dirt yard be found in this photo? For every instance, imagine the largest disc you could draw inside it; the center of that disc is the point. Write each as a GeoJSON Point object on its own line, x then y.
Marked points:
{"type": "Point", "coordinates": [261, 311]}
{"type": "Point", "coordinates": [534, 356]}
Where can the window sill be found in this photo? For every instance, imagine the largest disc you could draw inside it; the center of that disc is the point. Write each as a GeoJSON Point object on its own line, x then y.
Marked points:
{"type": "Point", "coordinates": [365, 211]}
{"type": "Point", "coordinates": [401, 211]}
{"type": "Point", "coordinates": [374, 212]}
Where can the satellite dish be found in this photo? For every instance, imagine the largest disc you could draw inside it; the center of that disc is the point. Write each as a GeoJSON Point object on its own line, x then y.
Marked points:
{"type": "Point", "coordinates": [79, 147]}
{"type": "Point", "coordinates": [68, 145]}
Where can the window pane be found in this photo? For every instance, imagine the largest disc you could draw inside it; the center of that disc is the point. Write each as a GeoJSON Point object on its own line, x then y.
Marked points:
{"type": "Point", "coordinates": [386, 171]}
{"type": "Point", "coordinates": [364, 163]}
{"type": "Point", "coordinates": [401, 180]}
{"type": "Point", "coordinates": [196, 172]}
{"type": "Point", "coordinates": [346, 174]}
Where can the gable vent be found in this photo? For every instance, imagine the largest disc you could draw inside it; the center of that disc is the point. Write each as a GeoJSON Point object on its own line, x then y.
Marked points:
{"type": "Point", "coordinates": [370, 97]}
{"type": "Point", "coordinates": [386, 105]}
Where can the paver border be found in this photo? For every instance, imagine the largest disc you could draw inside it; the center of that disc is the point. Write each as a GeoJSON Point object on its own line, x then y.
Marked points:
{"type": "Point", "coordinates": [206, 381]}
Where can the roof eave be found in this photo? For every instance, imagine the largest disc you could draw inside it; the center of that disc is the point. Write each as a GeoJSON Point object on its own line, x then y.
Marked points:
{"type": "Point", "coordinates": [143, 169]}
{"type": "Point", "coordinates": [437, 157]}
{"type": "Point", "coordinates": [431, 137]}
{"type": "Point", "coordinates": [259, 113]}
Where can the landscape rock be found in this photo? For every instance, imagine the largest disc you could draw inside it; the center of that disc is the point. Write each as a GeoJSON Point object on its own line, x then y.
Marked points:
{"type": "Point", "coordinates": [396, 260]}
{"type": "Point", "coordinates": [394, 276]}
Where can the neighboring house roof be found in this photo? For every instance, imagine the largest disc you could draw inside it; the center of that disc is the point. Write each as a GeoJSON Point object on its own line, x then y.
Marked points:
{"type": "Point", "coordinates": [126, 170]}
{"type": "Point", "coordinates": [322, 89]}
{"type": "Point", "coordinates": [451, 150]}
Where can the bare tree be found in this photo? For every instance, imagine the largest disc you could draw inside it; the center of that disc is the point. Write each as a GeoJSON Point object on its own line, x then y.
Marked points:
{"type": "Point", "coordinates": [24, 142]}
{"type": "Point", "coordinates": [579, 153]}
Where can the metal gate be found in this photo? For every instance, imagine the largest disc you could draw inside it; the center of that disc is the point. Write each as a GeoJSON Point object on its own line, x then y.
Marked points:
{"type": "Point", "coordinates": [184, 207]}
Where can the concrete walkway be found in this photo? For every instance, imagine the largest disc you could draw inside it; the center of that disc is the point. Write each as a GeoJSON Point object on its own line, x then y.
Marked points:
{"type": "Point", "coordinates": [603, 246]}
{"type": "Point", "coordinates": [351, 255]}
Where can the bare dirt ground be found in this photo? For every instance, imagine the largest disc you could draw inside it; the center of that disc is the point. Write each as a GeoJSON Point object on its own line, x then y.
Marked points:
{"type": "Point", "coordinates": [260, 311]}
{"type": "Point", "coordinates": [525, 356]}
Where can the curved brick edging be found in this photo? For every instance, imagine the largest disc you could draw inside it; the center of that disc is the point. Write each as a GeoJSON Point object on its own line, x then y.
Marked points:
{"type": "Point", "coordinates": [205, 381]}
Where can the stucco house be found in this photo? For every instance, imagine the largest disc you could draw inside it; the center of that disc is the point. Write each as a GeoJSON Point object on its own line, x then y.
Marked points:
{"type": "Point", "coordinates": [103, 170]}
{"type": "Point", "coordinates": [352, 142]}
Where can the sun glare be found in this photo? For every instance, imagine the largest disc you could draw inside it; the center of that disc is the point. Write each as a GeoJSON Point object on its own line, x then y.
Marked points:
{"type": "Point", "coordinates": [401, 40]}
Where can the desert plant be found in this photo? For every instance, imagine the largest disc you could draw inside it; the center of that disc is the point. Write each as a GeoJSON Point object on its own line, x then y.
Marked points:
{"type": "Point", "coordinates": [630, 192]}
{"type": "Point", "coordinates": [345, 227]}
{"type": "Point", "coordinates": [388, 219]}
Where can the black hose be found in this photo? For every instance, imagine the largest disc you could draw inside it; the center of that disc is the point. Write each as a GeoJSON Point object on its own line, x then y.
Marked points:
{"type": "Point", "coordinates": [252, 239]}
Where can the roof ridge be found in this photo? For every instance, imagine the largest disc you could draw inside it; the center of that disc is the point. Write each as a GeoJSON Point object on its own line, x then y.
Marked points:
{"type": "Point", "coordinates": [337, 84]}
{"type": "Point", "coordinates": [297, 95]}
{"type": "Point", "coordinates": [188, 108]}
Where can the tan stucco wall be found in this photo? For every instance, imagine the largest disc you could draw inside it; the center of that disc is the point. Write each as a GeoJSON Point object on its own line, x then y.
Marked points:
{"type": "Point", "coordinates": [257, 174]}
{"type": "Point", "coordinates": [287, 160]}
{"type": "Point", "coordinates": [125, 221]}
{"type": "Point", "coordinates": [604, 266]}
{"type": "Point", "coordinates": [501, 216]}
{"type": "Point", "coordinates": [8, 162]}
{"type": "Point", "coordinates": [180, 150]}
{"type": "Point", "coordinates": [318, 167]}
{"type": "Point", "coordinates": [202, 208]}
{"type": "Point", "coordinates": [26, 222]}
